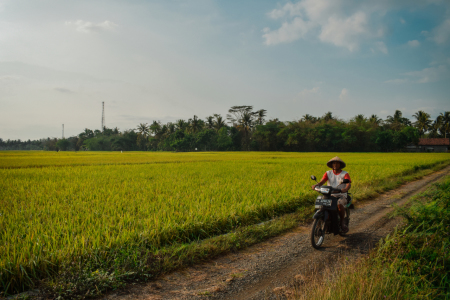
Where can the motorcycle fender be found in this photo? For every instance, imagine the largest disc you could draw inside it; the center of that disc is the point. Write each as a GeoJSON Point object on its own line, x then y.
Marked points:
{"type": "Point", "coordinates": [318, 215]}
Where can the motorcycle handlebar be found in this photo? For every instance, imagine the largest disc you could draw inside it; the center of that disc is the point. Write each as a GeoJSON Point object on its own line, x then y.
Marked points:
{"type": "Point", "coordinates": [333, 191]}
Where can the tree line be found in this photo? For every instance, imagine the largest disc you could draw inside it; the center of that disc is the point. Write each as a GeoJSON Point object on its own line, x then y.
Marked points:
{"type": "Point", "coordinates": [246, 129]}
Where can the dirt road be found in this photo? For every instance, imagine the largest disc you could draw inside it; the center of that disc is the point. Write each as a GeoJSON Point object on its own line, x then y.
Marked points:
{"type": "Point", "coordinates": [269, 269]}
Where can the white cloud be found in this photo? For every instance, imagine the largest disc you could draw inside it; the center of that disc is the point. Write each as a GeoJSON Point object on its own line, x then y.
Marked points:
{"type": "Point", "coordinates": [343, 95]}
{"type": "Point", "coordinates": [86, 26]}
{"type": "Point", "coordinates": [307, 92]}
{"type": "Point", "coordinates": [343, 23]}
{"type": "Point", "coordinates": [429, 74]}
{"type": "Point", "coordinates": [288, 9]}
{"type": "Point", "coordinates": [288, 32]}
{"type": "Point", "coordinates": [382, 47]}
{"type": "Point", "coordinates": [396, 81]}
{"type": "Point", "coordinates": [345, 32]}
{"type": "Point", "coordinates": [441, 34]}
{"type": "Point", "coordinates": [329, 19]}
{"type": "Point", "coordinates": [414, 43]}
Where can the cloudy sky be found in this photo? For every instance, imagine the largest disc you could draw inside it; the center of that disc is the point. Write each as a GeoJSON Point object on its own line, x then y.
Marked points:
{"type": "Point", "coordinates": [170, 59]}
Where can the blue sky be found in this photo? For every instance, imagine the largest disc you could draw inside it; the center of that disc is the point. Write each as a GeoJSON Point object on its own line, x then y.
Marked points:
{"type": "Point", "coordinates": [166, 60]}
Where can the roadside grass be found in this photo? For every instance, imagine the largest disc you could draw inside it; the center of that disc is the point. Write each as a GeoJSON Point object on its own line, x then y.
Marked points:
{"type": "Point", "coordinates": [411, 263]}
{"type": "Point", "coordinates": [103, 269]}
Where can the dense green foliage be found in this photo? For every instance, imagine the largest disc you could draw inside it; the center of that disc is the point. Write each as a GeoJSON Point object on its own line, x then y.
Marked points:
{"type": "Point", "coordinates": [248, 130]}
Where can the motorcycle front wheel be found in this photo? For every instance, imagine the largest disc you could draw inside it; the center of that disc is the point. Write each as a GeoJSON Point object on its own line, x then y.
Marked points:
{"type": "Point", "coordinates": [318, 233]}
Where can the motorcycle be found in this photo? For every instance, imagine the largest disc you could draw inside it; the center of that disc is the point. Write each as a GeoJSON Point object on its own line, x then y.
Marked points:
{"type": "Point", "coordinates": [326, 216]}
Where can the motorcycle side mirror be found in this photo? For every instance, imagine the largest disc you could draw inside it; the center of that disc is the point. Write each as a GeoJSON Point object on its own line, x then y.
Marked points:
{"type": "Point", "coordinates": [313, 177]}
{"type": "Point", "coordinates": [345, 181]}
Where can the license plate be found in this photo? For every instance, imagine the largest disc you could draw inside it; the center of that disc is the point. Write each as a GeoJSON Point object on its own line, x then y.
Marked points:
{"type": "Point", "coordinates": [324, 202]}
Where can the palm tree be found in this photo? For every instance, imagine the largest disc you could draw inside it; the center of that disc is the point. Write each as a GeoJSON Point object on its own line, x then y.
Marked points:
{"type": "Point", "coordinates": [219, 122]}
{"type": "Point", "coordinates": [87, 133]}
{"type": "Point", "coordinates": [445, 129]}
{"type": "Point", "coordinates": [155, 128]}
{"type": "Point", "coordinates": [143, 132]}
{"type": "Point", "coordinates": [423, 122]}
{"type": "Point", "coordinates": [359, 119]}
{"type": "Point", "coordinates": [181, 125]}
{"type": "Point", "coordinates": [309, 118]}
{"type": "Point", "coordinates": [243, 117]}
{"type": "Point", "coordinates": [396, 118]}
{"type": "Point", "coordinates": [375, 120]}
{"type": "Point", "coordinates": [143, 129]}
{"type": "Point", "coordinates": [328, 116]}
{"type": "Point", "coordinates": [397, 121]}
{"type": "Point", "coordinates": [210, 122]}
{"type": "Point", "coordinates": [445, 117]}
{"type": "Point", "coordinates": [195, 124]}
{"type": "Point", "coordinates": [171, 128]}
{"type": "Point", "coordinates": [434, 128]}
{"type": "Point", "coordinates": [260, 114]}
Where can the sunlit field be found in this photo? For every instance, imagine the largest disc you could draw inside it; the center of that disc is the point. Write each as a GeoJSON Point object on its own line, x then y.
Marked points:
{"type": "Point", "coordinates": [57, 206]}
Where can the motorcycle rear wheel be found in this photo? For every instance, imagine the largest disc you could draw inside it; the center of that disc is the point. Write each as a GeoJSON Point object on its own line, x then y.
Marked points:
{"type": "Point", "coordinates": [318, 233]}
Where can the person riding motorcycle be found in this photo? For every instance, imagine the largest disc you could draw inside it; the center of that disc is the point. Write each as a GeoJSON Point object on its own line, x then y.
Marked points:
{"type": "Point", "coordinates": [335, 178]}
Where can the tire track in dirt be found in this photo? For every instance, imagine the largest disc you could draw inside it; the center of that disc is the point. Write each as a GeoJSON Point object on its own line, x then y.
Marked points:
{"type": "Point", "coordinates": [270, 269]}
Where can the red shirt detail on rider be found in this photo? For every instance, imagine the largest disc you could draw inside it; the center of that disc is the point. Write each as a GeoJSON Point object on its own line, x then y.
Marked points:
{"type": "Point", "coordinates": [325, 176]}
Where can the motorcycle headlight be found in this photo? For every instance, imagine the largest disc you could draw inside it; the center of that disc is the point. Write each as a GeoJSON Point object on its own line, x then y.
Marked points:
{"type": "Point", "coordinates": [324, 190]}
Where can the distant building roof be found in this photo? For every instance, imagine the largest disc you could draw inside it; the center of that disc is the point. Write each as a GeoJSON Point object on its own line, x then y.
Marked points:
{"type": "Point", "coordinates": [434, 142]}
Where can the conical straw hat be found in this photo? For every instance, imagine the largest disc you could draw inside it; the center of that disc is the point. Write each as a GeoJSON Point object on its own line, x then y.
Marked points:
{"type": "Point", "coordinates": [336, 158]}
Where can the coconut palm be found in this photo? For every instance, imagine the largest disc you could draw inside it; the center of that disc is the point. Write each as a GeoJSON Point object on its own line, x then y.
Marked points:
{"type": "Point", "coordinates": [143, 129]}
{"type": "Point", "coordinates": [435, 127]}
{"type": "Point", "coordinates": [445, 117]}
{"type": "Point", "coordinates": [142, 137]}
{"type": "Point", "coordinates": [171, 128]}
{"type": "Point", "coordinates": [210, 122]}
{"type": "Point", "coordinates": [181, 124]}
{"type": "Point", "coordinates": [375, 120]}
{"type": "Point", "coordinates": [445, 128]}
{"type": "Point", "coordinates": [260, 114]}
{"type": "Point", "coordinates": [219, 122]}
{"type": "Point", "coordinates": [397, 121]}
{"type": "Point", "coordinates": [309, 118]}
{"type": "Point", "coordinates": [195, 124]}
{"type": "Point", "coordinates": [359, 119]}
{"type": "Point", "coordinates": [243, 117]}
{"type": "Point", "coordinates": [155, 128]}
{"type": "Point", "coordinates": [396, 118]}
{"type": "Point", "coordinates": [328, 116]}
{"type": "Point", "coordinates": [423, 121]}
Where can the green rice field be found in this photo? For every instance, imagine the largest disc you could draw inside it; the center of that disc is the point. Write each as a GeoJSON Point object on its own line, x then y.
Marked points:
{"type": "Point", "coordinates": [58, 207]}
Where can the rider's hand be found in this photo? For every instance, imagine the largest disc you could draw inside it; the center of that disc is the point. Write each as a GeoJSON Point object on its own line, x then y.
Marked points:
{"type": "Point", "coordinates": [314, 186]}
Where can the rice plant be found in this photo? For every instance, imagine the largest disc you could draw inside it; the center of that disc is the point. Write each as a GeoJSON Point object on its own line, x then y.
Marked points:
{"type": "Point", "coordinates": [55, 207]}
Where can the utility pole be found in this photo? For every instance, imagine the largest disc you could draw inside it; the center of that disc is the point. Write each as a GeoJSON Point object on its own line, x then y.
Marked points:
{"type": "Point", "coordinates": [103, 116]}
{"type": "Point", "coordinates": [63, 131]}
